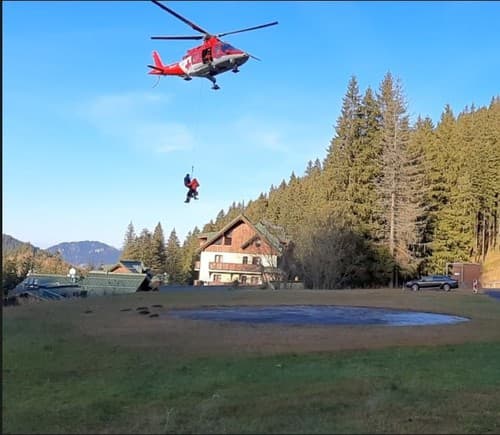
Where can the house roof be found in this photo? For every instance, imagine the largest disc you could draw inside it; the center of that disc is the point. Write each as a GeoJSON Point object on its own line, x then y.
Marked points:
{"type": "Point", "coordinates": [133, 266]}
{"type": "Point", "coordinates": [274, 235]}
{"type": "Point", "coordinates": [207, 235]}
{"type": "Point", "coordinates": [114, 283]}
{"type": "Point", "coordinates": [44, 280]}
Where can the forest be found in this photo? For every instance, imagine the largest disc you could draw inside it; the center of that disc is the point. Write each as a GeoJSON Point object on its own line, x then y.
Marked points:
{"type": "Point", "coordinates": [390, 199]}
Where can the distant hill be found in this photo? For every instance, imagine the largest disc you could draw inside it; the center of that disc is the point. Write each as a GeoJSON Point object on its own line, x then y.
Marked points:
{"type": "Point", "coordinates": [86, 253]}
{"type": "Point", "coordinates": [18, 258]}
{"type": "Point", "coordinates": [10, 244]}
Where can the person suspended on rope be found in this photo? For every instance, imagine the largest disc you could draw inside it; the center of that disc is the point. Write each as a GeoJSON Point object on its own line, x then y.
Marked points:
{"type": "Point", "coordinates": [192, 185]}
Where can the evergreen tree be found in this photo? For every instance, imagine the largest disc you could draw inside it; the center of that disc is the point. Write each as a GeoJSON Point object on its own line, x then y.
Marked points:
{"type": "Point", "coordinates": [210, 227]}
{"type": "Point", "coordinates": [158, 257]}
{"type": "Point", "coordinates": [362, 198]}
{"type": "Point", "coordinates": [130, 250]}
{"type": "Point", "coordinates": [257, 210]}
{"type": "Point", "coordinates": [145, 245]}
{"type": "Point", "coordinates": [423, 139]}
{"type": "Point", "coordinates": [339, 155]}
{"type": "Point", "coordinates": [275, 203]}
{"type": "Point", "coordinates": [190, 255]}
{"type": "Point", "coordinates": [442, 174]}
{"type": "Point", "coordinates": [173, 265]}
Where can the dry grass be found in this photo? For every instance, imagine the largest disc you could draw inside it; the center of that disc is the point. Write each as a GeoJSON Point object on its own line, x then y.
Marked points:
{"type": "Point", "coordinates": [97, 365]}
{"type": "Point", "coordinates": [103, 319]}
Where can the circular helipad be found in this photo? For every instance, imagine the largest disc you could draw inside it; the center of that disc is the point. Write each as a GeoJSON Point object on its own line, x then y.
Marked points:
{"type": "Point", "coordinates": [318, 315]}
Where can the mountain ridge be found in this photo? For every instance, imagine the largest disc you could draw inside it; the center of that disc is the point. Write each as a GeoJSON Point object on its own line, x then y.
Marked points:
{"type": "Point", "coordinates": [86, 253]}
{"type": "Point", "coordinates": [81, 254]}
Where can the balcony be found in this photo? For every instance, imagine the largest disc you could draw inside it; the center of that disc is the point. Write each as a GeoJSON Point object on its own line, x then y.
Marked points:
{"type": "Point", "coordinates": [234, 267]}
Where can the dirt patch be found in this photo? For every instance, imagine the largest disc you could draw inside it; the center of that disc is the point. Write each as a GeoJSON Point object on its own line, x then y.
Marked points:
{"type": "Point", "coordinates": [129, 328]}
{"type": "Point", "coordinates": [118, 320]}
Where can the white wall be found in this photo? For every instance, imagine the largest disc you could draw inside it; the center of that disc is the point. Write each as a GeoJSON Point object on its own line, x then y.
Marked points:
{"type": "Point", "coordinates": [230, 257]}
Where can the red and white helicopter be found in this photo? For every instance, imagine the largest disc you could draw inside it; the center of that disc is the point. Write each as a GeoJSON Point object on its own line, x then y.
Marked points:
{"type": "Point", "coordinates": [211, 58]}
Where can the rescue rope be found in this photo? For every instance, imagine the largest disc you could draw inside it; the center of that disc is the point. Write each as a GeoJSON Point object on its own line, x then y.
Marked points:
{"type": "Point", "coordinates": [157, 81]}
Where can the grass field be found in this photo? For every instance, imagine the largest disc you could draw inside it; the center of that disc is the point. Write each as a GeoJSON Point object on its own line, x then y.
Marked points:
{"type": "Point", "coordinates": [96, 365]}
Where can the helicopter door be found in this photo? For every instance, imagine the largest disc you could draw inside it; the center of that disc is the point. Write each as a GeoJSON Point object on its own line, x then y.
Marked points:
{"type": "Point", "coordinates": [206, 55]}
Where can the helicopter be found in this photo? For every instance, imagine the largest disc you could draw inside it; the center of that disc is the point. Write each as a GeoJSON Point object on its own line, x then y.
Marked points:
{"type": "Point", "coordinates": [207, 60]}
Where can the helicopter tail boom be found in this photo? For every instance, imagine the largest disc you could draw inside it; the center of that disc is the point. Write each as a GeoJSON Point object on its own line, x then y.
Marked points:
{"type": "Point", "coordinates": [157, 60]}
{"type": "Point", "coordinates": [158, 67]}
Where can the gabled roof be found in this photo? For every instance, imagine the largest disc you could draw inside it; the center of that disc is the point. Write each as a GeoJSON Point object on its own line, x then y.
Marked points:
{"type": "Point", "coordinates": [133, 266]}
{"type": "Point", "coordinates": [261, 229]}
{"type": "Point", "coordinates": [274, 234]}
{"type": "Point", "coordinates": [114, 283]}
{"type": "Point", "coordinates": [207, 235]}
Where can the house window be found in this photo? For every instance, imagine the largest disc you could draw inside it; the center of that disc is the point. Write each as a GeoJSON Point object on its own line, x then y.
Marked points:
{"type": "Point", "coordinates": [254, 280]}
{"type": "Point", "coordinates": [243, 279]}
{"type": "Point", "coordinates": [228, 239]}
{"type": "Point", "coordinates": [245, 260]}
{"type": "Point", "coordinates": [218, 258]}
{"type": "Point", "coordinates": [256, 260]}
{"type": "Point", "coordinates": [257, 243]}
{"type": "Point", "coordinates": [217, 278]}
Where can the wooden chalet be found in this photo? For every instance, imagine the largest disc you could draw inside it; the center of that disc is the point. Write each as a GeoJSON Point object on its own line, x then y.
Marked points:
{"type": "Point", "coordinates": [241, 252]}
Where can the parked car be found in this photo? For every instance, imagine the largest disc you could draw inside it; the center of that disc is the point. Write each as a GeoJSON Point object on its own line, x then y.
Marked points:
{"type": "Point", "coordinates": [442, 282]}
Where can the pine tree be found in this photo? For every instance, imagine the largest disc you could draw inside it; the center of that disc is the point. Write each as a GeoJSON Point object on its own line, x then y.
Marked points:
{"type": "Point", "coordinates": [173, 263]}
{"type": "Point", "coordinates": [364, 171]}
{"type": "Point", "coordinates": [210, 227]}
{"type": "Point", "coordinates": [130, 250]}
{"type": "Point", "coordinates": [257, 210]}
{"type": "Point", "coordinates": [190, 255]}
{"type": "Point", "coordinates": [158, 250]}
{"type": "Point", "coordinates": [337, 162]}
{"type": "Point", "coordinates": [443, 171]}
{"type": "Point", "coordinates": [423, 139]}
{"type": "Point", "coordinates": [145, 242]}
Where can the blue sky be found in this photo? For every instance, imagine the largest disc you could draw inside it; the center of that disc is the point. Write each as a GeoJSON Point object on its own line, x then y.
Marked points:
{"type": "Point", "coordinates": [90, 145]}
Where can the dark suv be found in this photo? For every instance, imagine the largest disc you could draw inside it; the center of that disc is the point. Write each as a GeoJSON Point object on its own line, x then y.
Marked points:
{"type": "Point", "coordinates": [433, 281]}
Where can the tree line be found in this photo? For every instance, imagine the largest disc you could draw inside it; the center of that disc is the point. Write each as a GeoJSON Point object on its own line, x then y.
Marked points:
{"type": "Point", "coordinates": [19, 259]}
{"type": "Point", "coordinates": [388, 201]}
{"type": "Point", "coordinates": [170, 257]}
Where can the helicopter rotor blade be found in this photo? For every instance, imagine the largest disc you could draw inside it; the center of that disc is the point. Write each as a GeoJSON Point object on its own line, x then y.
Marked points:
{"type": "Point", "coordinates": [180, 17]}
{"type": "Point", "coordinates": [254, 57]}
{"type": "Point", "coordinates": [178, 37]}
{"type": "Point", "coordinates": [247, 29]}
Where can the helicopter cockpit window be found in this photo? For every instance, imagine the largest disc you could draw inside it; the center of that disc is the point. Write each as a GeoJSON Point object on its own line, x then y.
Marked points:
{"type": "Point", "coordinates": [227, 48]}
